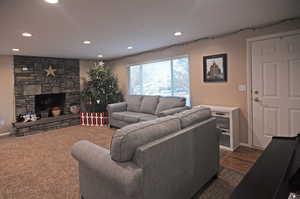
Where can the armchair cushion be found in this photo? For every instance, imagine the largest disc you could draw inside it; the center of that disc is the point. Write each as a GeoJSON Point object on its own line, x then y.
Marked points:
{"type": "Point", "coordinates": [134, 102]}
{"type": "Point", "coordinates": [166, 103]}
{"type": "Point", "coordinates": [149, 104]}
{"type": "Point", "coordinates": [193, 116]}
{"type": "Point", "coordinates": [126, 140]}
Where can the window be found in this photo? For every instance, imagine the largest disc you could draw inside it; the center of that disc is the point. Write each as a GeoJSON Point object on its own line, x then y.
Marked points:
{"type": "Point", "coordinates": [166, 78]}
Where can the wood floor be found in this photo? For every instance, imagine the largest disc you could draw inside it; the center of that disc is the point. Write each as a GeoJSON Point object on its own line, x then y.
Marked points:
{"type": "Point", "coordinates": [241, 160]}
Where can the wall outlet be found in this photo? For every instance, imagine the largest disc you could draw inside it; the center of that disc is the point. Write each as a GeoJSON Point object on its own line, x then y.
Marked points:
{"type": "Point", "coordinates": [242, 88]}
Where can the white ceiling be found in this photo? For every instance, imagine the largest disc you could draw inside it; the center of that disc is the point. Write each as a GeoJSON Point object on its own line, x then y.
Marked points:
{"type": "Point", "coordinates": [113, 25]}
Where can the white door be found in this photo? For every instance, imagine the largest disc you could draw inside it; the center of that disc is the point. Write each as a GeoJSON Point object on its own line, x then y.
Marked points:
{"type": "Point", "coordinates": [275, 88]}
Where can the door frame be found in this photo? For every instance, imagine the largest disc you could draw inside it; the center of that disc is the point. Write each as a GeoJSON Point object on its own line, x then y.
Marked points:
{"type": "Point", "coordinates": [250, 41]}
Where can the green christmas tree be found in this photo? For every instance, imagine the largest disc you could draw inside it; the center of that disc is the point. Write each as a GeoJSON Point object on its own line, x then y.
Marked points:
{"type": "Point", "coordinates": [101, 88]}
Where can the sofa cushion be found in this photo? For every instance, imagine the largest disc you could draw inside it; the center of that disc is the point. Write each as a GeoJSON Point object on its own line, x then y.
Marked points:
{"type": "Point", "coordinates": [134, 102]}
{"type": "Point", "coordinates": [129, 117]}
{"type": "Point", "coordinates": [166, 103]}
{"type": "Point", "coordinates": [147, 117]}
{"type": "Point", "coordinates": [172, 111]}
{"type": "Point", "coordinates": [193, 116]}
{"type": "Point", "coordinates": [149, 104]}
{"type": "Point", "coordinates": [126, 140]}
{"type": "Point", "coordinates": [132, 117]}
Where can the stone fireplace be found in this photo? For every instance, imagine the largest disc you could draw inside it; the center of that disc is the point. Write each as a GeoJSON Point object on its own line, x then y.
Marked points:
{"type": "Point", "coordinates": [42, 83]}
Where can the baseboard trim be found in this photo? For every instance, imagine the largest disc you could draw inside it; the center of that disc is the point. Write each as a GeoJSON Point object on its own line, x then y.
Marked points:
{"type": "Point", "coordinates": [5, 134]}
{"type": "Point", "coordinates": [246, 145]}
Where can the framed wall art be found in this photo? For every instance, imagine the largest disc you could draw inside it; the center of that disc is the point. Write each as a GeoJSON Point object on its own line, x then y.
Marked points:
{"type": "Point", "coordinates": [215, 68]}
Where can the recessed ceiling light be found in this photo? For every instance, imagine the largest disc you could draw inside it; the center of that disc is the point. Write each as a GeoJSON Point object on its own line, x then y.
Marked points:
{"type": "Point", "coordinates": [129, 47]}
{"type": "Point", "coordinates": [100, 56]}
{"type": "Point", "coordinates": [86, 42]}
{"type": "Point", "coordinates": [15, 49]}
{"type": "Point", "coordinates": [178, 33]}
{"type": "Point", "coordinates": [26, 34]}
{"type": "Point", "coordinates": [52, 1]}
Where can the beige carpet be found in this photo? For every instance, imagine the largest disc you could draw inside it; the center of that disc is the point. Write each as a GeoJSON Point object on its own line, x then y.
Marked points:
{"type": "Point", "coordinates": [41, 167]}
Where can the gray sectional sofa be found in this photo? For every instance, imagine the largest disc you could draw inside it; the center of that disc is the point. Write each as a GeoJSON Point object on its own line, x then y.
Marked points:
{"type": "Point", "coordinates": [167, 158]}
{"type": "Point", "coordinates": [138, 108]}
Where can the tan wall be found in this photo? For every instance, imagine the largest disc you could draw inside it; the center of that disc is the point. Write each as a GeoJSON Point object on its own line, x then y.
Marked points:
{"type": "Point", "coordinates": [226, 94]}
{"type": "Point", "coordinates": [6, 92]}
{"type": "Point", "coordinates": [85, 66]}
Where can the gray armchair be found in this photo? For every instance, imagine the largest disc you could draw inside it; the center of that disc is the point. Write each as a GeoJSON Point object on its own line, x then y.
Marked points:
{"type": "Point", "coordinates": [167, 158]}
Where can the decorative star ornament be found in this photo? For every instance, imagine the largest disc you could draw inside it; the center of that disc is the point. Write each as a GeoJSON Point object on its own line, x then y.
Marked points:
{"type": "Point", "coordinates": [101, 63]}
{"type": "Point", "coordinates": [50, 71]}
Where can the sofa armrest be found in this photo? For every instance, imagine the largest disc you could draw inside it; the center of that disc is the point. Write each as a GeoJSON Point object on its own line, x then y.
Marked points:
{"type": "Point", "coordinates": [117, 107]}
{"type": "Point", "coordinates": [172, 111]}
{"type": "Point", "coordinates": [124, 178]}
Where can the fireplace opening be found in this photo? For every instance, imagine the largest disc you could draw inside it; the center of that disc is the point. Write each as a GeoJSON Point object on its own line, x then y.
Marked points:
{"type": "Point", "coordinates": [46, 102]}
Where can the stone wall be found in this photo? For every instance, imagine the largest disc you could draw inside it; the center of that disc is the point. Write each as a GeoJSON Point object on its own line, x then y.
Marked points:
{"type": "Point", "coordinates": [31, 79]}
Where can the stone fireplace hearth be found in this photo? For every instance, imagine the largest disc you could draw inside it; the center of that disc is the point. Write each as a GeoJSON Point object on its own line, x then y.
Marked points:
{"type": "Point", "coordinates": [37, 88]}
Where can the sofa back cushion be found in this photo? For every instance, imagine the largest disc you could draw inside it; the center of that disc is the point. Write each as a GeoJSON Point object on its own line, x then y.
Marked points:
{"type": "Point", "coordinates": [133, 102]}
{"type": "Point", "coordinates": [126, 140]}
{"type": "Point", "coordinates": [149, 104]}
{"type": "Point", "coordinates": [166, 103]}
{"type": "Point", "coordinates": [193, 116]}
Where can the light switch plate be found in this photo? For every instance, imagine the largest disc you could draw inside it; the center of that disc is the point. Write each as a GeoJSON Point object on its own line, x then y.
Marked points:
{"type": "Point", "coordinates": [242, 87]}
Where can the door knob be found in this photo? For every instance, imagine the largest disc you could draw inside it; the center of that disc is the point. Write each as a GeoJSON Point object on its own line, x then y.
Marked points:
{"type": "Point", "coordinates": [256, 99]}
{"type": "Point", "coordinates": [256, 92]}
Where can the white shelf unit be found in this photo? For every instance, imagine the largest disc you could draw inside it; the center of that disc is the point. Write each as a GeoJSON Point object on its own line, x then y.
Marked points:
{"type": "Point", "coordinates": [228, 122]}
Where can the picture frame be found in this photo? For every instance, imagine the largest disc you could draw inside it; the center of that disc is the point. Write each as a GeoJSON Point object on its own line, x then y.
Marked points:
{"type": "Point", "coordinates": [215, 68]}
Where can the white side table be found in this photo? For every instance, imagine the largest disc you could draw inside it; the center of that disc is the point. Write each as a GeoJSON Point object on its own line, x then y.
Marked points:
{"type": "Point", "coordinates": [228, 121]}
